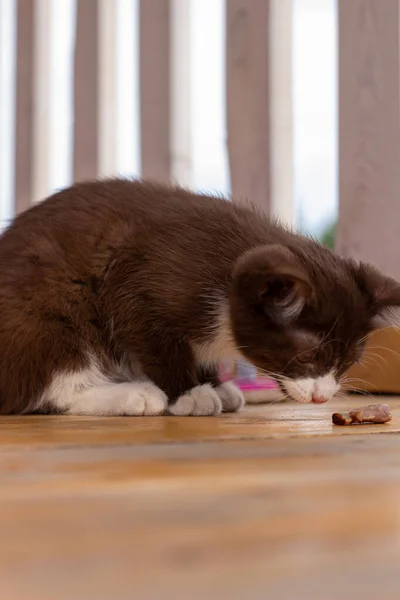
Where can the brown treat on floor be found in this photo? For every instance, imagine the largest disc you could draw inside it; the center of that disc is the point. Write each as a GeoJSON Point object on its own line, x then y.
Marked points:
{"type": "Point", "coordinates": [373, 413]}
{"type": "Point", "coordinates": [341, 419]}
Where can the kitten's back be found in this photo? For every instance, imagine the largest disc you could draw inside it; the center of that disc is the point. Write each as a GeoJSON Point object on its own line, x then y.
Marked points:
{"type": "Point", "coordinates": [55, 257]}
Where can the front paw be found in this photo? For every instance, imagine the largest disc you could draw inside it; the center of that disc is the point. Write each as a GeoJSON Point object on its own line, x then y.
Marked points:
{"type": "Point", "coordinates": [231, 397]}
{"type": "Point", "coordinates": [201, 400]}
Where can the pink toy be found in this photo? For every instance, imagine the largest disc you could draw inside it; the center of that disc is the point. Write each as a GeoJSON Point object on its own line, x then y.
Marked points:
{"type": "Point", "coordinates": [261, 383]}
{"type": "Point", "coordinates": [256, 388]}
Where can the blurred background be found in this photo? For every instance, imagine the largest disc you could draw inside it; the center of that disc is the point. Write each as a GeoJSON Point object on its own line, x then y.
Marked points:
{"type": "Point", "coordinates": [293, 104]}
{"type": "Point", "coordinates": [46, 33]}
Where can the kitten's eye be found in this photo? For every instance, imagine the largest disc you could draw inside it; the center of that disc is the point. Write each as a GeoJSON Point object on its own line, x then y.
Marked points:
{"type": "Point", "coordinates": [304, 358]}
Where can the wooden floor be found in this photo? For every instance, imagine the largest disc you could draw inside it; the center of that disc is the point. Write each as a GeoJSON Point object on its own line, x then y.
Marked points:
{"type": "Point", "coordinates": [272, 503]}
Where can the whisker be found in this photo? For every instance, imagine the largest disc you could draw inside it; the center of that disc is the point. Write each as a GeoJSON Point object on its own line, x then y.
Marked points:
{"type": "Point", "coordinates": [354, 388]}
{"type": "Point", "coordinates": [340, 396]}
{"type": "Point", "coordinates": [393, 352]}
{"type": "Point", "coordinates": [371, 362]}
{"type": "Point", "coordinates": [332, 328]}
{"type": "Point", "coordinates": [276, 376]}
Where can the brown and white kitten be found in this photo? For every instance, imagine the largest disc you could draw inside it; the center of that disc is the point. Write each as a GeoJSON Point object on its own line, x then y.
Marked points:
{"type": "Point", "coordinates": [120, 297]}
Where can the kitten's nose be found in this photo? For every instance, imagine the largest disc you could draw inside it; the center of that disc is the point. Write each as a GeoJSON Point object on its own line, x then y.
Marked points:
{"type": "Point", "coordinates": [318, 399]}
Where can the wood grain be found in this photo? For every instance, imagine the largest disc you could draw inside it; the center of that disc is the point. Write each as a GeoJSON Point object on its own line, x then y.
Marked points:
{"type": "Point", "coordinates": [274, 499]}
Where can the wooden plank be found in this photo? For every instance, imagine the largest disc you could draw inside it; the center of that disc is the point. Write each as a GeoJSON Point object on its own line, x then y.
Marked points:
{"type": "Point", "coordinates": [369, 132]}
{"type": "Point", "coordinates": [155, 89]}
{"type": "Point", "coordinates": [204, 543]}
{"type": "Point", "coordinates": [59, 468]}
{"type": "Point", "coordinates": [32, 115]}
{"type": "Point", "coordinates": [278, 421]}
{"type": "Point", "coordinates": [86, 161]}
{"type": "Point", "coordinates": [301, 517]}
{"type": "Point", "coordinates": [248, 108]}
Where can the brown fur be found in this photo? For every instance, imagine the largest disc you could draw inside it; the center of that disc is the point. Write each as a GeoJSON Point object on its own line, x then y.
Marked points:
{"type": "Point", "coordinates": [132, 271]}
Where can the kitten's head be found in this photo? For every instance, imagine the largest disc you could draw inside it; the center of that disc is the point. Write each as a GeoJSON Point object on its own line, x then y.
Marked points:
{"type": "Point", "coordinates": [302, 314]}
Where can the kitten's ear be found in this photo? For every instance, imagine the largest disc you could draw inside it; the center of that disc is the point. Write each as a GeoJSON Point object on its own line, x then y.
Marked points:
{"type": "Point", "coordinates": [383, 294]}
{"type": "Point", "coordinates": [382, 291]}
{"type": "Point", "coordinates": [271, 277]}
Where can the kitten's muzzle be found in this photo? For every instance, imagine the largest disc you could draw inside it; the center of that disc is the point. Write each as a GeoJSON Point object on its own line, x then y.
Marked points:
{"type": "Point", "coordinates": [317, 399]}
{"type": "Point", "coordinates": [308, 389]}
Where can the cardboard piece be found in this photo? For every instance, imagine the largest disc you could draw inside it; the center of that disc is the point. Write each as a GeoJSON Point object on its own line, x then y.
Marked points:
{"type": "Point", "coordinates": [379, 370]}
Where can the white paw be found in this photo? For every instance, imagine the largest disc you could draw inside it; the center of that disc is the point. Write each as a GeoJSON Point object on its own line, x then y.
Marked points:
{"type": "Point", "coordinates": [144, 398]}
{"type": "Point", "coordinates": [231, 397]}
{"type": "Point", "coordinates": [138, 398]}
{"type": "Point", "coordinates": [202, 400]}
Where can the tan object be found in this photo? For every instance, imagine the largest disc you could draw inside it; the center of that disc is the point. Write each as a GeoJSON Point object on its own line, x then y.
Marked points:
{"type": "Point", "coordinates": [373, 413]}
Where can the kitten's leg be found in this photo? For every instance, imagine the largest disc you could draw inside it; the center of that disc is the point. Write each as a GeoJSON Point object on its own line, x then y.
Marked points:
{"type": "Point", "coordinates": [140, 398]}
{"type": "Point", "coordinates": [199, 401]}
{"type": "Point", "coordinates": [165, 357]}
{"type": "Point", "coordinates": [230, 395]}
{"type": "Point", "coordinates": [89, 392]}
{"type": "Point", "coordinates": [173, 369]}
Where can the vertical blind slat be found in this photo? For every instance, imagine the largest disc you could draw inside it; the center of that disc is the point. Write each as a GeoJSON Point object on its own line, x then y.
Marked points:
{"type": "Point", "coordinates": [180, 66]}
{"type": "Point", "coordinates": [155, 89]}
{"type": "Point", "coordinates": [25, 73]}
{"type": "Point", "coordinates": [86, 91]}
{"type": "Point", "coordinates": [247, 74]}
{"type": "Point", "coordinates": [32, 118]}
{"type": "Point", "coordinates": [281, 110]}
{"type": "Point", "coordinates": [107, 64]}
{"type": "Point", "coordinates": [369, 132]}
